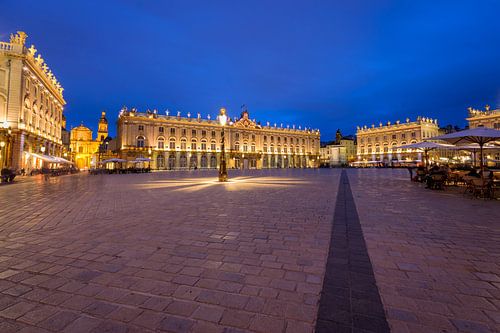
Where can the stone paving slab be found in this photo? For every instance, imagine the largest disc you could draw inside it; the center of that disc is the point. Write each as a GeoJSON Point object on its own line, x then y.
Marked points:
{"type": "Point", "coordinates": [174, 252]}
{"type": "Point", "coordinates": [436, 254]}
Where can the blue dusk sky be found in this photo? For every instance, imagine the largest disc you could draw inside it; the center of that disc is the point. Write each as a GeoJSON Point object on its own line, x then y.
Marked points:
{"type": "Point", "coordinates": [321, 64]}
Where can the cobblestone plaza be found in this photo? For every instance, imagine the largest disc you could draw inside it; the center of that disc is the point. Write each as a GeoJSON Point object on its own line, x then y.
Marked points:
{"type": "Point", "coordinates": [292, 250]}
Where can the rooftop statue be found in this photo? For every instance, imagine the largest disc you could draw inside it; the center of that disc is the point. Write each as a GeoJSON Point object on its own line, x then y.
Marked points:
{"type": "Point", "coordinates": [19, 38]}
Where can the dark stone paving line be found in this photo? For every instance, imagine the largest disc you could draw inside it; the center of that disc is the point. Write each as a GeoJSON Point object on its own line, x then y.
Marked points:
{"type": "Point", "coordinates": [350, 301]}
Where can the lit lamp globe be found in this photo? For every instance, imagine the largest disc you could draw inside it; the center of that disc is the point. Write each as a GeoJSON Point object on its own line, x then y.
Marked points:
{"type": "Point", "coordinates": [42, 149]}
{"type": "Point", "coordinates": [2, 144]}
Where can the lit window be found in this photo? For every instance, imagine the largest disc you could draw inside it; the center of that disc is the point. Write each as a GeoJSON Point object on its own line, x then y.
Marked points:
{"type": "Point", "coordinates": [140, 141]}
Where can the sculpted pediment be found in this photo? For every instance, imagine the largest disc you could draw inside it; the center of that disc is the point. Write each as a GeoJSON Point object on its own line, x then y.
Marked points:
{"type": "Point", "coordinates": [245, 122]}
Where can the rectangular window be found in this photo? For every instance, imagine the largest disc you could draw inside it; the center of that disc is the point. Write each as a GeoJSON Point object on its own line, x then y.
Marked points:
{"type": "Point", "coordinates": [172, 131]}
{"type": "Point", "coordinates": [183, 132]}
{"type": "Point", "coordinates": [193, 133]}
{"type": "Point", "coordinates": [203, 133]}
{"type": "Point", "coordinates": [394, 136]}
{"type": "Point", "coordinates": [141, 127]}
{"type": "Point", "coordinates": [160, 129]}
{"type": "Point", "coordinates": [213, 134]}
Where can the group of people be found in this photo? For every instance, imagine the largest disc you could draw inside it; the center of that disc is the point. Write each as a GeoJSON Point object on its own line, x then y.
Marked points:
{"type": "Point", "coordinates": [437, 174]}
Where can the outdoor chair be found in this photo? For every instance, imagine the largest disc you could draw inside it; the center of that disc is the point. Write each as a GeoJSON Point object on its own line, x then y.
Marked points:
{"type": "Point", "coordinates": [421, 174]}
{"type": "Point", "coordinates": [438, 181]}
{"type": "Point", "coordinates": [477, 188]}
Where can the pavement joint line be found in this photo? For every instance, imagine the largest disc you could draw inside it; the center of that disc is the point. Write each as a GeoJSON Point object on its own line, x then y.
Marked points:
{"type": "Point", "coordinates": [350, 300]}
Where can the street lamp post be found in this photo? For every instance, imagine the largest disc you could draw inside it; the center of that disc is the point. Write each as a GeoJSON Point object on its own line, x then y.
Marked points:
{"type": "Point", "coordinates": [222, 168]}
{"type": "Point", "coordinates": [2, 155]}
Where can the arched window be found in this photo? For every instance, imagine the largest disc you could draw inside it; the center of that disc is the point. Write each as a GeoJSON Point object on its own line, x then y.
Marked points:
{"type": "Point", "coordinates": [172, 143]}
{"type": "Point", "coordinates": [265, 148]}
{"type": "Point", "coordinates": [253, 148]}
{"type": "Point", "coordinates": [237, 146]}
{"type": "Point", "coordinates": [193, 161]}
{"type": "Point", "coordinates": [161, 143]}
{"type": "Point", "coordinates": [212, 145]}
{"type": "Point", "coordinates": [203, 144]}
{"type": "Point", "coordinates": [272, 147]}
{"type": "Point", "coordinates": [140, 141]}
{"type": "Point", "coordinates": [204, 161]}
{"type": "Point", "coordinates": [183, 144]}
{"type": "Point", "coordinates": [160, 162]}
{"type": "Point", "coordinates": [245, 146]}
{"type": "Point", "coordinates": [193, 144]}
{"type": "Point", "coordinates": [183, 161]}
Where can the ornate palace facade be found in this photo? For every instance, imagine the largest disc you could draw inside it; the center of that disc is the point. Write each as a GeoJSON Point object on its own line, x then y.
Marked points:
{"type": "Point", "coordinates": [84, 149]}
{"type": "Point", "coordinates": [378, 144]}
{"type": "Point", "coordinates": [175, 142]}
{"type": "Point", "coordinates": [31, 106]}
{"type": "Point", "coordinates": [487, 118]}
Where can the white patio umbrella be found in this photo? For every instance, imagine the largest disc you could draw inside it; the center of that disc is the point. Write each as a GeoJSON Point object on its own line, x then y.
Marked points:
{"type": "Point", "coordinates": [473, 148]}
{"type": "Point", "coordinates": [142, 159]}
{"type": "Point", "coordinates": [425, 147]}
{"type": "Point", "coordinates": [479, 135]}
{"type": "Point", "coordinates": [114, 160]}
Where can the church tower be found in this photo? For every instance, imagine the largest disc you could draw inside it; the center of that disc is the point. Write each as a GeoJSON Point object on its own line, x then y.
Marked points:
{"type": "Point", "coordinates": [102, 130]}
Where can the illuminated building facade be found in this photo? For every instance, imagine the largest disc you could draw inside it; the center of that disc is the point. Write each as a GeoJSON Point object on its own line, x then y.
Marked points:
{"type": "Point", "coordinates": [486, 118]}
{"type": "Point", "coordinates": [339, 152]}
{"type": "Point", "coordinates": [378, 144]}
{"type": "Point", "coordinates": [84, 149]}
{"type": "Point", "coordinates": [31, 106]}
{"type": "Point", "coordinates": [175, 142]}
